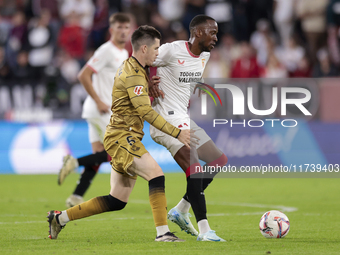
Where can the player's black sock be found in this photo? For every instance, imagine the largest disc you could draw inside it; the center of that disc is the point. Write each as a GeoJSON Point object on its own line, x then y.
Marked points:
{"type": "Point", "coordinates": [209, 176]}
{"type": "Point", "coordinates": [196, 196]}
{"type": "Point", "coordinates": [85, 181]}
{"type": "Point", "coordinates": [113, 204]}
{"type": "Point", "coordinates": [95, 206]}
{"type": "Point", "coordinates": [206, 183]}
{"type": "Point", "coordinates": [93, 159]}
{"type": "Point", "coordinates": [158, 200]}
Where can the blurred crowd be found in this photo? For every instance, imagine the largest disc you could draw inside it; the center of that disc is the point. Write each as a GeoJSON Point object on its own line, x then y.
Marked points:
{"type": "Point", "coordinates": [278, 39]}
{"type": "Point", "coordinates": [44, 43]}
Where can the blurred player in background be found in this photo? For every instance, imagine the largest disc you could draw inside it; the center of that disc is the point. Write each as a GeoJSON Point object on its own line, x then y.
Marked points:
{"type": "Point", "coordinates": [97, 77]}
{"type": "Point", "coordinates": [130, 107]}
{"type": "Point", "coordinates": [180, 65]}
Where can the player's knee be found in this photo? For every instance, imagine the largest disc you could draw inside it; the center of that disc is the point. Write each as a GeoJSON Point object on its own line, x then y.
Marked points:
{"type": "Point", "coordinates": [97, 147]}
{"type": "Point", "coordinates": [95, 168]}
{"type": "Point", "coordinates": [114, 204]}
{"type": "Point", "coordinates": [223, 160]}
{"type": "Point", "coordinates": [102, 156]}
{"type": "Point", "coordinates": [156, 171]}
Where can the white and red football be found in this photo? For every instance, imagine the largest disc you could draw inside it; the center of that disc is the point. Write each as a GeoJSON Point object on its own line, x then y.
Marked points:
{"type": "Point", "coordinates": [274, 224]}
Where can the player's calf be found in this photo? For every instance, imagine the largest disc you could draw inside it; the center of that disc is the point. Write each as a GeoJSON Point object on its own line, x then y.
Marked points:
{"type": "Point", "coordinates": [57, 220]}
{"type": "Point", "coordinates": [158, 204]}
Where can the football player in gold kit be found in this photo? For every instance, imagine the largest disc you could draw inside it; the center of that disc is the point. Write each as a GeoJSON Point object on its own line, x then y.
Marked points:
{"type": "Point", "coordinates": [130, 107]}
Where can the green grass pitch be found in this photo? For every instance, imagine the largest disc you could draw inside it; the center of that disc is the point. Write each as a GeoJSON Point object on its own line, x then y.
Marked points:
{"type": "Point", "coordinates": [234, 210]}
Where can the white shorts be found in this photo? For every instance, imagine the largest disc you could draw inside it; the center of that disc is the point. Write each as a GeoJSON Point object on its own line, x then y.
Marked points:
{"type": "Point", "coordinates": [173, 144]}
{"type": "Point", "coordinates": [97, 127]}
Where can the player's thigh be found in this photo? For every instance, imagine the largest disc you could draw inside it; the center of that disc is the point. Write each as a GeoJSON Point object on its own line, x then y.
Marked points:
{"type": "Point", "coordinates": [121, 186]}
{"type": "Point", "coordinates": [185, 157]}
{"type": "Point", "coordinates": [146, 167]}
{"type": "Point", "coordinates": [209, 152]}
{"type": "Point", "coordinates": [206, 148]}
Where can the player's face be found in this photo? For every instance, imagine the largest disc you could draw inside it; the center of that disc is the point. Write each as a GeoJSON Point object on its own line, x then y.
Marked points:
{"type": "Point", "coordinates": [152, 52]}
{"type": "Point", "coordinates": [209, 37]}
{"type": "Point", "coordinates": [120, 31]}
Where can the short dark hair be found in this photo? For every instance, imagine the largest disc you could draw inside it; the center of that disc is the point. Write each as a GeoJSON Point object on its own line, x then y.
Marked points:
{"type": "Point", "coordinates": [198, 20]}
{"type": "Point", "coordinates": [119, 17]}
{"type": "Point", "coordinates": [144, 35]}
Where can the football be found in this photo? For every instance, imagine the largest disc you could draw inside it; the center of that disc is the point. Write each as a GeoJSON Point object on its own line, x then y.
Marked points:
{"type": "Point", "coordinates": [274, 224]}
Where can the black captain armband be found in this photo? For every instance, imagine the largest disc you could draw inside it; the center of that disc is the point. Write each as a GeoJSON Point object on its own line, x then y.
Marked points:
{"type": "Point", "coordinates": [179, 133]}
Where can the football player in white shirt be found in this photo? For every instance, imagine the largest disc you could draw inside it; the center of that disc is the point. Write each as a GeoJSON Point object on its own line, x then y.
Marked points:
{"type": "Point", "coordinates": [179, 65]}
{"type": "Point", "coordinates": [97, 77]}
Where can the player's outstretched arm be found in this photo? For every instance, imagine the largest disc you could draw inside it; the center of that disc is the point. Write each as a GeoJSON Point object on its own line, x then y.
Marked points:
{"type": "Point", "coordinates": [141, 101]}
{"type": "Point", "coordinates": [145, 110]}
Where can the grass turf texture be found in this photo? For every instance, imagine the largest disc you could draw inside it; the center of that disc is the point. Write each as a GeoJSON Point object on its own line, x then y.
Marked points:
{"type": "Point", "coordinates": [235, 207]}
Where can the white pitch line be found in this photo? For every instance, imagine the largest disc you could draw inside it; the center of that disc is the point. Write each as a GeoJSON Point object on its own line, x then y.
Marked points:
{"type": "Point", "coordinates": [141, 218]}
{"type": "Point", "coordinates": [34, 222]}
{"type": "Point", "coordinates": [24, 200]}
{"type": "Point", "coordinates": [282, 208]}
{"type": "Point", "coordinates": [138, 218]}
{"type": "Point", "coordinates": [141, 201]}
{"type": "Point", "coordinates": [21, 222]}
{"type": "Point", "coordinates": [232, 214]}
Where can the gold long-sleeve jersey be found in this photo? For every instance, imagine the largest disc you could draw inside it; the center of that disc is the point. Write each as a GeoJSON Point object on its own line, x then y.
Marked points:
{"type": "Point", "coordinates": [131, 103]}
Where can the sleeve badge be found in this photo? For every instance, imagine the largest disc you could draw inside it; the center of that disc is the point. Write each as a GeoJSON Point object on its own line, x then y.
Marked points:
{"type": "Point", "coordinates": [138, 90]}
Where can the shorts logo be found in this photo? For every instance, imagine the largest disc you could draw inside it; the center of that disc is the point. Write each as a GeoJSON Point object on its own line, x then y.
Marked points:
{"type": "Point", "coordinates": [135, 148]}
{"type": "Point", "coordinates": [138, 90]}
{"type": "Point", "coordinates": [203, 59]}
{"type": "Point", "coordinates": [184, 124]}
{"type": "Point", "coordinates": [181, 62]}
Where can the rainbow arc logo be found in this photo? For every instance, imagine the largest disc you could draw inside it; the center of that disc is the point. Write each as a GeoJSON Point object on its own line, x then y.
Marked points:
{"type": "Point", "coordinates": [209, 93]}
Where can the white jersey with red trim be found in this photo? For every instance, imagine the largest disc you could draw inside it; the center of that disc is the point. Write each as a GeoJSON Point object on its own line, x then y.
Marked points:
{"type": "Point", "coordinates": [105, 62]}
{"type": "Point", "coordinates": [178, 69]}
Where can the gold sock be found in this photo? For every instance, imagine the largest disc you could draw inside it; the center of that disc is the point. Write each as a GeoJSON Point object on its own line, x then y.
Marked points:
{"type": "Point", "coordinates": [158, 205]}
{"type": "Point", "coordinates": [93, 206]}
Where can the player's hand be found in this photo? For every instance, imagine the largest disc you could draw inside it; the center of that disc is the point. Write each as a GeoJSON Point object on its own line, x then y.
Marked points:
{"type": "Point", "coordinates": [102, 107]}
{"type": "Point", "coordinates": [154, 90]}
{"type": "Point", "coordinates": [193, 138]}
{"type": "Point", "coordinates": [187, 137]}
{"type": "Point", "coordinates": [184, 137]}
{"type": "Point", "coordinates": [200, 92]}
{"type": "Point", "coordinates": [155, 80]}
